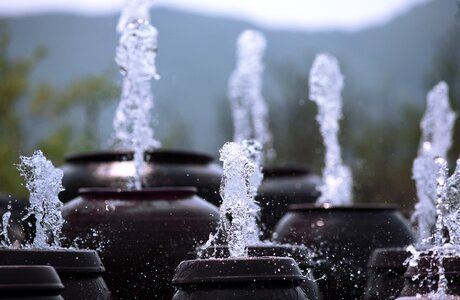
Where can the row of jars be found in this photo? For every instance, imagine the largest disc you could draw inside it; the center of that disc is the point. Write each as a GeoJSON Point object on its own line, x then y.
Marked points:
{"type": "Point", "coordinates": [142, 236]}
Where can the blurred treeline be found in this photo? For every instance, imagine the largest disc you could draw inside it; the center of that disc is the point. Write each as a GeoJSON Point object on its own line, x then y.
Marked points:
{"type": "Point", "coordinates": [380, 151]}
{"type": "Point", "coordinates": [23, 105]}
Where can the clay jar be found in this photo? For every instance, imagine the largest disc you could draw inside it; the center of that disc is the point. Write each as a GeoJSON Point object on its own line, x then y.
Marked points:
{"type": "Point", "coordinates": [30, 282]}
{"type": "Point", "coordinates": [385, 273]}
{"type": "Point", "coordinates": [80, 270]}
{"type": "Point", "coordinates": [300, 254]}
{"type": "Point", "coordinates": [423, 278]}
{"type": "Point", "coordinates": [164, 168]}
{"type": "Point", "coordinates": [255, 278]}
{"type": "Point", "coordinates": [144, 234]}
{"type": "Point", "coordinates": [343, 238]}
{"type": "Point", "coordinates": [282, 186]}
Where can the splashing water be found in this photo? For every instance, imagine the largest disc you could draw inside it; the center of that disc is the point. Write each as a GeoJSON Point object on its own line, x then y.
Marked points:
{"type": "Point", "coordinates": [236, 199]}
{"type": "Point", "coordinates": [326, 84]}
{"type": "Point", "coordinates": [249, 109]}
{"type": "Point", "coordinates": [136, 53]}
{"type": "Point", "coordinates": [133, 11]}
{"type": "Point", "coordinates": [253, 151]}
{"type": "Point", "coordinates": [44, 183]}
{"type": "Point", "coordinates": [437, 126]}
{"type": "Point", "coordinates": [5, 222]}
{"type": "Point", "coordinates": [452, 207]}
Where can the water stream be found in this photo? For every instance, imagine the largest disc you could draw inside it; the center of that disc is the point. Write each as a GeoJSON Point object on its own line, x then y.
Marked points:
{"type": "Point", "coordinates": [326, 84]}
{"type": "Point", "coordinates": [136, 54]}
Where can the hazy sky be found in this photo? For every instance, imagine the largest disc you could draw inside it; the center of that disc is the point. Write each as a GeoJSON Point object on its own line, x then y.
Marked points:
{"type": "Point", "coordinates": [285, 14]}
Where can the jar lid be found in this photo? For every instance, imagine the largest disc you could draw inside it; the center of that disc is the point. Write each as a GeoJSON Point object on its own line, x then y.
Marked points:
{"type": "Point", "coordinates": [29, 280]}
{"type": "Point", "coordinates": [63, 260]}
{"type": "Point", "coordinates": [231, 270]}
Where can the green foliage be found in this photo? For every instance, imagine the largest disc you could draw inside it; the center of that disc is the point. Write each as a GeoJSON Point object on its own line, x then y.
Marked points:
{"type": "Point", "coordinates": [46, 106]}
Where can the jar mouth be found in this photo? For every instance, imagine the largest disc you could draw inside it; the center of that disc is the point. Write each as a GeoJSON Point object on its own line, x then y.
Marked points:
{"type": "Point", "coordinates": [299, 253]}
{"type": "Point", "coordinates": [351, 208]}
{"type": "Point", "coordinates": [155, 156]}
{"type": "Point", "coordinates": [160, 193]}
{"type": "Point", "coordinates": [287, 170]}
{"type": "Point", "coordinates": [18, 279]}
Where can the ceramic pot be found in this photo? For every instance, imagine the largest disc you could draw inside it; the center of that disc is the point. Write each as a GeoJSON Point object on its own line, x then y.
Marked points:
{"type": "Point", "coordinates": [255, 278]}
{"type": "Point", "coordinates": [343, 238]}
{"type": "Point", "coordinates": [281, 187]}
{"type": "Point", "coordinates": [144, 234]}
{"type": "Point", "coordinates": [385, 273]}
{"type": "Point", "coordinates": [164, 168]}
{"type": "Point", "coordinates": [80, 270]}
{"type": "Point", "coordinates": [29, 283]}
{"type": "Point", "coordinates": [300, 254]}
{"type": "Point", "coordinates": [422, 279]}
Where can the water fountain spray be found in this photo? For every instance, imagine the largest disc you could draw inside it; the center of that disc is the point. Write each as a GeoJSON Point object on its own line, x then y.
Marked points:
{"type": "Point", "coordinates": [437, 127]}
{"type": "Point", "coordinates": [249, 109]}
{"type": "Point", "coordinates": [235, 191]}
{"type": "Point", "coordinates": [326, 84]}
{"type": "Point", "coordinates": [136, 53]}
{"type": "Point", "coordinates": [253, 151]}
{"type": "Point", "coordinates": [44, 183]}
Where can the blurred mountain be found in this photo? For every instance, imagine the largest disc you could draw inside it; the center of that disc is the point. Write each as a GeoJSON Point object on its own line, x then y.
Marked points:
{"type": "Point", "coordinates": [384, 66]}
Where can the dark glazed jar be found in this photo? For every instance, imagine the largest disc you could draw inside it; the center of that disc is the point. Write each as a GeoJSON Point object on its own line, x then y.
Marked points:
{"type": "Point", "coordinates": [385, 273]}
{"type": "Point", "coordinates": [144, 234]}
{"type": "Point", "coordinates": [282, 186]}
{"type": "Point", "coordinates": [300, 254]}
{"type": "Point", "coordinates": [112, 169]}
{"type": "Point", "coordinates": [343, 238]}
{"type": "Point", "coordinates": [30, 282]}
{"type": "Point", "coordinates": [255, 278]}
{"type": "Point", "coordinates": [422, 278]}
{"type": "Point", "coordinates": [80, 270]}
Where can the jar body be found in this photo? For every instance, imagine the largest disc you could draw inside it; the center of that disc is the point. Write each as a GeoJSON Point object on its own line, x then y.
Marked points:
{"type": "Point", "coordinates": [141, 240]}
{"type": "Point", "coordinates": [344, 238]}
{"type": "Point", "coordinates": [113, 169]}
